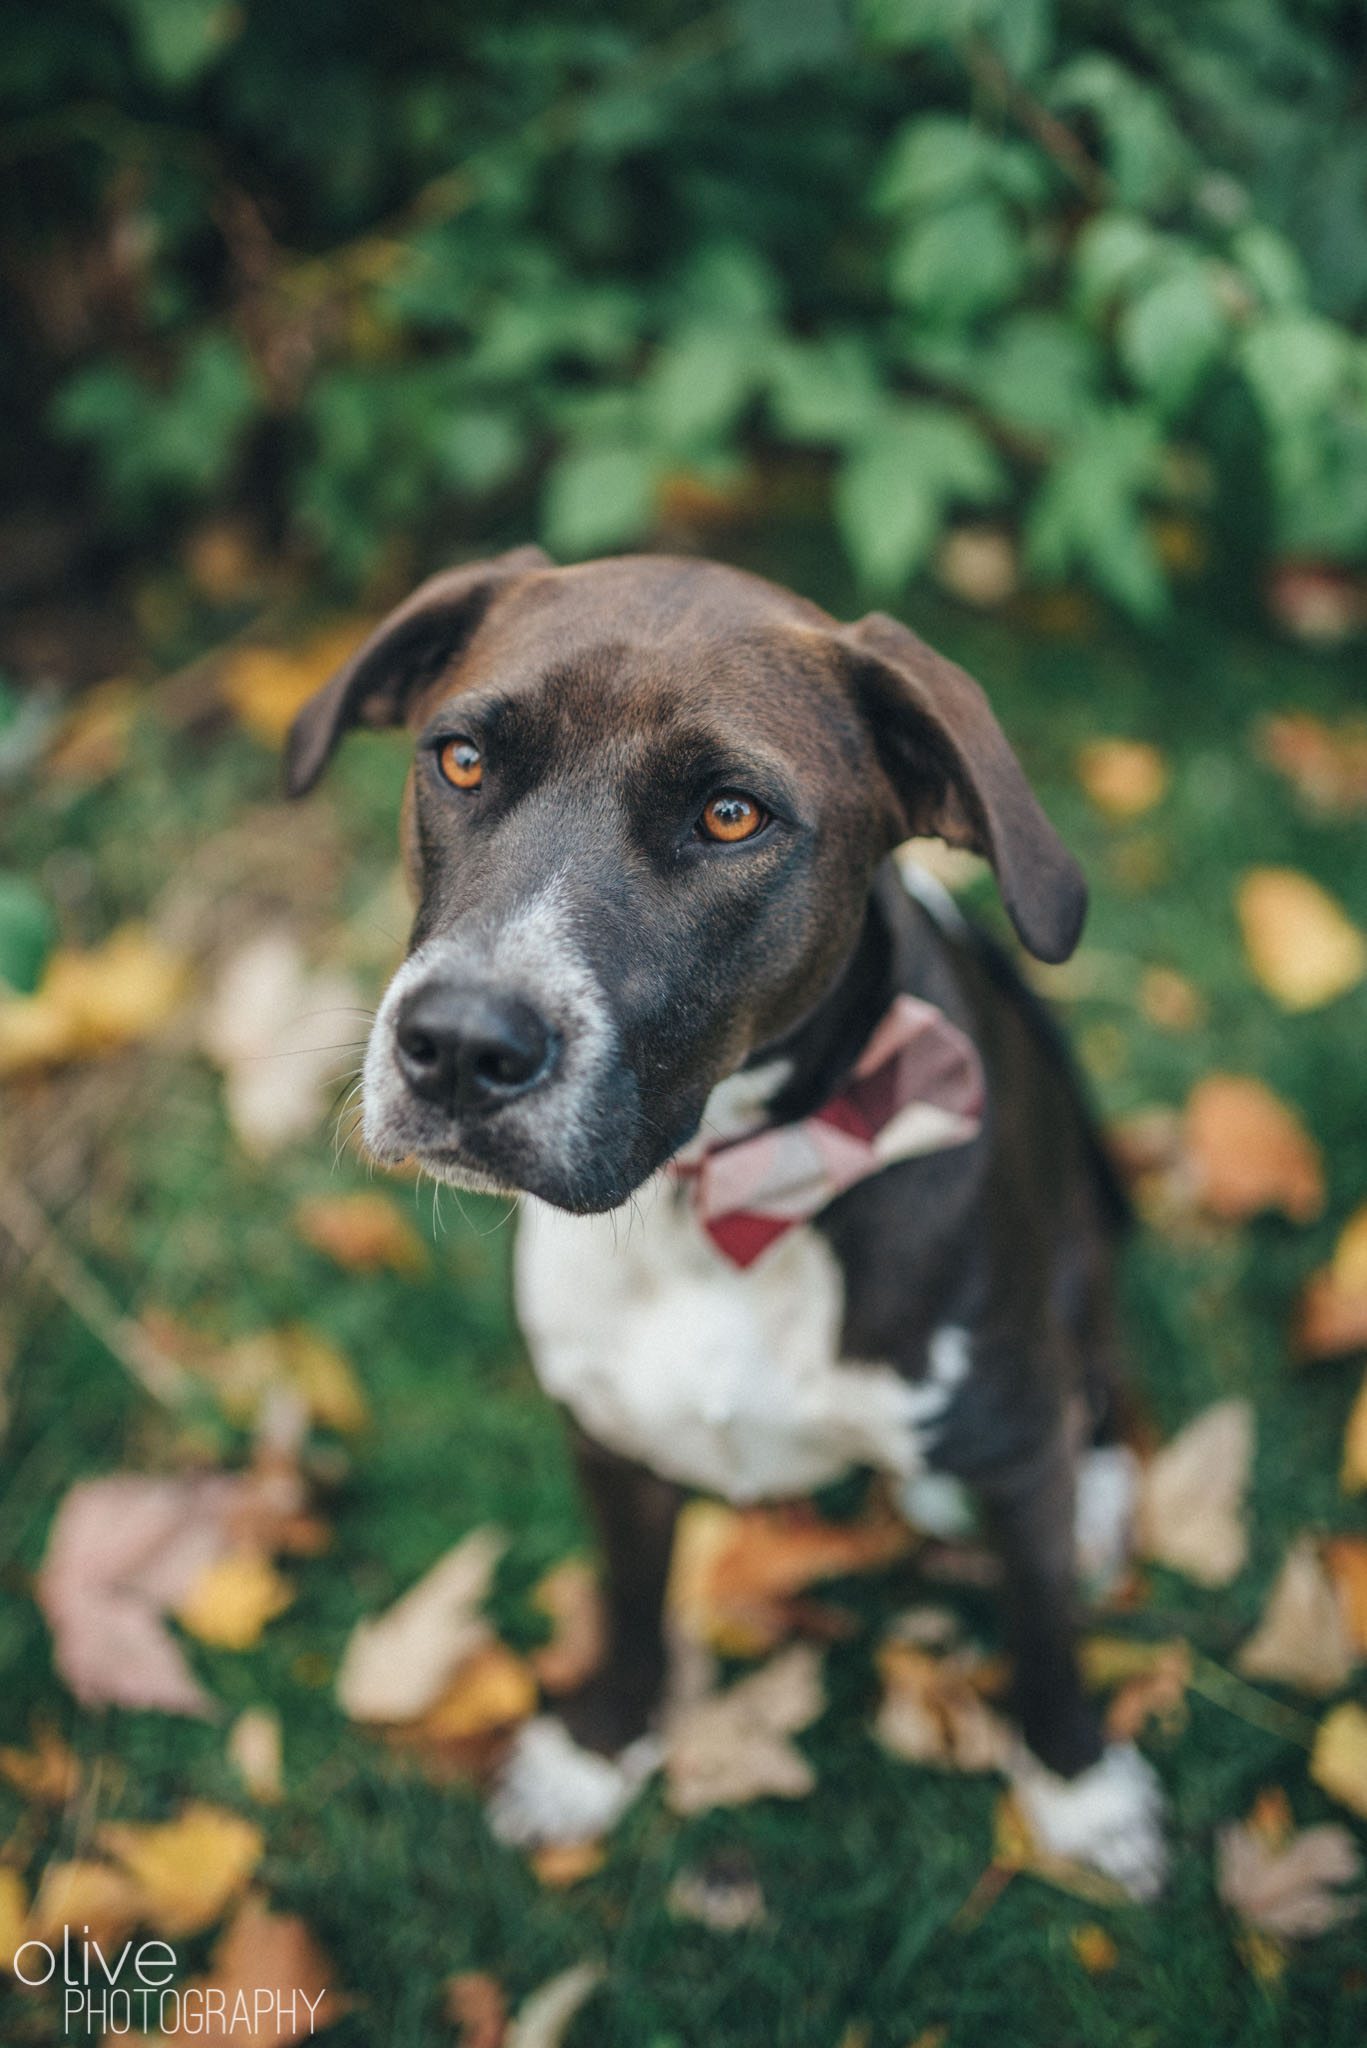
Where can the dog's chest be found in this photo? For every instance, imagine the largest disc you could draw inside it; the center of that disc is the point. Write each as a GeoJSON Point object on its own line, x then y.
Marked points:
{"type": "Point", "coordinates": [723, 1379]}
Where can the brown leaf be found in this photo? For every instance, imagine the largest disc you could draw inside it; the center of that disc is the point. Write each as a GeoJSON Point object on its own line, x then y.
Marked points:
{"type": "Point", "coordinates": [1303, 1638]}
{"type": "Point", "coordinates": [569, 1595]}
{"type": "Point", "coordinates": [1284, 1890]}
{"type": "Point", "coordinates": [558, 1865]}
{"type": "Point", "coordinates": [186, 1869]}
{"type": "Point", "coordinates": [1123, 778]}
{"type": "Point", "coordinates": [1353, 1472]}
{"type": "Point", "coordinates": [1338, 1761]}
{"type": "Point", "coordinates": [362, 1232]}
{"type": "Point", "coordinates": [731, 1747]}
{"type": "Point", "coordinates": [1327, 765]}
{"type": "Point", "coordinates": [91, 742]}
{"type": "Point", "coordinates": [261, 1952]}
{"type": "Point", "coordinates": [1190, 1509]}
{"type": "Point", "coordinates": [1250, 1152]}
{"type": "Point", "coordinates": [1301, 946]}
{"type": "Point", "coordinates": [124, 1551]}
{"type": "Point", "coordinates": [1317, 604]}
{"type": "Point", "coordinates": [1158, 1694]}
{"type": "Point", "coordinates": [933, 1711]}
{"type": "Point", "coordinates": [92, 1003]}
{"type": "Point", "coordinates": [49, 1773]}
{"type": "Point", "coordinates": [396, 1664]}
{"type": "Point", "coordinates": [1345, 1559]}
{"type": "Point", "coordinates": [476, 2003]}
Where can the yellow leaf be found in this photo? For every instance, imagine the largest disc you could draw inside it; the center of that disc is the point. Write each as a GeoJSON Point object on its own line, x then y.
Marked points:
{"type": "Point", "coordinates": [1353, 1476]}
{"type": "Point", "coordinates": [85, 1894]}
{"type": "Point", "coordinates": [492, 1687]}
{"type": "Point", "coordinates": [91, 1003]}
{"type": "Point", "coordinates": [293, 1357]}
{"type": "Point", "coordinates": [1249, 1152]}
{"type": "Point", "coordinates": [232, 1599]}
{"type": "Point", "coordinates": [1349, 1263]}
{"type": "Point", "coordinates": [362, 1232]}
{"type": "Point", "coordinates": [266, 686]}
{"type": "Point", "coordinates": [1123, 778]}
{"type": "Point", "coordinates": [189, 1868]}
{"type": "Point", "coordinates": [558, 1865]}
{"type": "Point", "coordinates": [49, 1772]}
{"type": "Point", "coordinates": [1338, 1762]}
{"type": "Point", "coordinates": [1301, 947]}
{"type": "Point", "coordinates": [14, 1922]}
{"type": "Point", "coordinates": [1094, 1948]}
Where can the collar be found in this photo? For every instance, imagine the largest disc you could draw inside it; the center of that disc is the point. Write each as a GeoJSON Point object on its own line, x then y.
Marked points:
{"type": "Point", "coordinates": [917, 1087]}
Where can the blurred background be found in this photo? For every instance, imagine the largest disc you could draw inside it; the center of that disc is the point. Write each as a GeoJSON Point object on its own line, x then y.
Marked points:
{"type": "Point", "coordinates": [1039, 322]}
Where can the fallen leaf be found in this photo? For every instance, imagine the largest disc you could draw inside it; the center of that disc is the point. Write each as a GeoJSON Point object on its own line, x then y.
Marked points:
{"type": "Point", "coordinates": [266, 686]}
{"type": "Point", "coordinates": [13, 1920]}
{"type": "Point", "coordinates": [362, 1232]}
{"type": "Point", "coordinates": [1345, 1559]}
{"type": "Point", "coordinates": [1158, 1694]}
{"type": "Point", "coordinates": [558, 1865]}
{"type": "Point", "coordinates": [255, 1749]}
{"type": "Point", "coordinates": [1123, 778]}
{"type": "Point", "coordinates": [124, 1550]}
{"type": "Point", "coordinates": [49, 1772]}
{"type": "Point", "coordinates": [544, 2016]}
{"type": "Point", "coordinates": [1338, 1761]}
{"type": "Point", "coordinates": [1094, 1948]}
{"type": "Point", "coordinates": [186, 1869]}
{"type": "Point", "coordinates": [90, 1004]}
{"type": "Point", "coordinates": [1285, 1889]}
{"type": "Point", "coordinates": [1250, 1152]}
{"type": "Point", "coordinates": [1319, 605]}
{"type": "Point", "coordinates": [569, 1595]}
{"type": "Point", "coordinates": [475, 2002]}
{"type": "Point", "coordinates": [231, 1599]}
{"type": "Point", "coordinates": [91, 741]}
{"type": "Point", "coordinates": [1170, 1001]}
{"type": "Point", "coordinates": [933, 1710]}
{"type": "Point", "coordinates": [731, 1747]}
{"type": "Point", "coordinates": [736, 1571]}
{"type": "Point", "coordinates": [396, 1665]}
{"type": "Point", "coordinates": [245, 1373]}
{"type": "Point", "coordinates": [282, 1035]}
{"type": "Point", "coordinates": [978, 564]}
{"type": "Point", "coordinates": [1326, 765]}
{"type": "Point", "coordinates": [85, 1894]}
{"type": "Point", "coordinates": [1014, 1849]}
{"type": "Point", "coordinates": [1301, 946]}
{"type": "Point", "coordinates": [1353, 1472]}
{"type": "Point", "coordinates": [1190, 1510]}
{"type": "Point", "coordinates": [490, 1687]}
{"type": "Point", "coordinates": [721, 1894]}
{"type": "Point", "coordinates": [1303, 1638]}
{"type": "Point", "coordinates": [262, 1952]}
{"type": "Point", "coordinates": [1331, 1316]}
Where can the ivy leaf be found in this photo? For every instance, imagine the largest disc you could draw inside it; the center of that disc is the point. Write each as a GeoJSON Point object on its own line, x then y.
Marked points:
{"type": "Point", "coordinates": [1171, 333]}
{"type": "Point", "coordinates": [598, 497]}
{"type": "Point", "coordinates": [891, 495]}
{"type": "Point", "coordinates": [1088, 510]}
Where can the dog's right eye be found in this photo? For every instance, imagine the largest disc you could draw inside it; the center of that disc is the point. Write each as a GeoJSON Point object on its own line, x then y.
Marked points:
{"type": "Point", "coordinates": [460, 764]}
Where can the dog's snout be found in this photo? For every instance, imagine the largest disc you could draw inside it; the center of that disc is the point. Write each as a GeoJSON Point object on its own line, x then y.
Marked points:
{"type": "Point", "coordinates": [471, 1049]}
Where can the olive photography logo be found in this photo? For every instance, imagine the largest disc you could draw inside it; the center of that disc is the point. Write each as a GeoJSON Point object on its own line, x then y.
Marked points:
{"type": "Point", "coordinates": [133, 1990]}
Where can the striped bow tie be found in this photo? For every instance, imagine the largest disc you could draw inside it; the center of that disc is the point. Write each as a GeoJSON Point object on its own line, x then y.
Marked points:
{"type": "Point", "coordinates": [918, 1088]}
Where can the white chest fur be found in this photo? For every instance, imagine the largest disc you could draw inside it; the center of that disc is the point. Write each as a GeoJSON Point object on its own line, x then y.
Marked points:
{"type": "Point", "coordinates": [723, 1379]}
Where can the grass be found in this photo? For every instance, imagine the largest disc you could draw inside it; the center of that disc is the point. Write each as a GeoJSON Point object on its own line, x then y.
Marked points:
{"type": "Point", "coordinates": [864, 1880]}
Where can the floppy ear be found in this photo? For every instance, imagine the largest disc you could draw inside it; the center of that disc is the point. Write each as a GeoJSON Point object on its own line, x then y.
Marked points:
{"type": "Point", "coordinates": [956, 778]}
{"type": "Point", "coordinates": [413, 645]}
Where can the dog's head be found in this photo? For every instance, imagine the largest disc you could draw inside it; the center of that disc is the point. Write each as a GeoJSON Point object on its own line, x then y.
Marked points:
{"type": "Point", "coordinates": [647, 801]}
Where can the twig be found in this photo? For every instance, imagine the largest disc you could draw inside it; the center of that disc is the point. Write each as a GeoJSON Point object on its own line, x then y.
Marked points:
{"type": "Point", "coordinates": [141, 1357]}
{"type": "Point", "coordinates": [1054, 137]}
{"type": "Point", "coordinates": [1223, 1689]}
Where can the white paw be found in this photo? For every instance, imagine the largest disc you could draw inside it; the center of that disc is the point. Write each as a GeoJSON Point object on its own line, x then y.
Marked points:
{"type": "Point", "coordinates": [1110, 1816]}
{"type": "Point", "coordinates": [551, 1790]}
{"type": "Point", "coordinates": [1107, 1491]}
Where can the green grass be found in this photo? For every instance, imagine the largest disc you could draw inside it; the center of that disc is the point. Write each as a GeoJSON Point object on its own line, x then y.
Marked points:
{"type": "Point", "coordinates": [864, 1880]}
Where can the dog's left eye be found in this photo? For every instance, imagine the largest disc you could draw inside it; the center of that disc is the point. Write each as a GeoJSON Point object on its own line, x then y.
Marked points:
{"type": "Point", "coordinates": [460, 763]}
{"type": "Point", "coordinates": [732, 815]}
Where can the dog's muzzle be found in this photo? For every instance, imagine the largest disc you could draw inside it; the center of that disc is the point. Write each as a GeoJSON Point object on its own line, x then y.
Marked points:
{"type": "Point", "coordinates": [471, 1049]}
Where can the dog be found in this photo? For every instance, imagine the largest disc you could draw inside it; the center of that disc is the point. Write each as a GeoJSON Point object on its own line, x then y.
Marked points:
{"type": "Point", "coordinates": [807, 1180]}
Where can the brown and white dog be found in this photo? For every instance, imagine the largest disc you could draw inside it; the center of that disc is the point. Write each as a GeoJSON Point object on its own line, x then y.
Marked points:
{"type": "Point", "coordinates": [808, 1183]}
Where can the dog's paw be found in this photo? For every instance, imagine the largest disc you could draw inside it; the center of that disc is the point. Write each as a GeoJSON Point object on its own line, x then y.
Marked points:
{"type": "Point", "coordinates": [1109, 1816]}
{"type": "Point", "coordinates": [551, 1790]}
{"type": "Point", "coordinates": [1107, 1493]}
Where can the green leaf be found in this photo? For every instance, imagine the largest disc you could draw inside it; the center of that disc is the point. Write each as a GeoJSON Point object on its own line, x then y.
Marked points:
{"type": "Point", "coordinates": [1114, 252]}
{"type": "Point", "coordinates": [1171, 333]}
{"type": "Point", "coordinates": [892, 493]}
{"type": "Point", "coordinates": [477, 449]}
{"type": "Point", "coordinates": [1271, 266]}
{"type": "Point", "coordinates": [933, 158]}
{"type": "Point", "coordinates": [959, 262]}
{"type": "Point", "coordinates": [1040, 373]}
{"type": "Point", "coordinates": [27, 931]}
{"type": "Point", "coordinates": [1088, 510]}
{"type": "Point", "coordinates": [911, 24]}
{"type": "Point", "coordinates": [1295, 364]}
{"type": "Point", "coordinates": [598, 497]}
{"type": "Point", "coordinates": [178, 39]}
{"type": "Point", "coordinates": [1148, 158]}
{"type": "Point", "coordinates": [824, 391]}
{"type": "Point", "coordinates": [699, 380]}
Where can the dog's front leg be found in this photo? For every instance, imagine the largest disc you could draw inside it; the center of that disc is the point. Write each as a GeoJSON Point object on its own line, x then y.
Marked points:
{"type": "Point", "coordinates": [1100, 1804]}
{"type": "Point", "coordinates": [572, 1774]}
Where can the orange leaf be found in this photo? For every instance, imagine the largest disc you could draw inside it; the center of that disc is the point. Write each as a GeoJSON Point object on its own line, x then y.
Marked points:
{"type": "Point", "coordinates": [558, 1865]}
{"type": "Point", "coordinates": [569, 1595]}
{"type": "Point", "coordinates": [1301, 947]}
{"type": "Point", "coordinates": [1159, 1694]}
{"type": "Point", "coordinates": [1094, 1948]}
{"type": "Point", "coordinates": [476, 2003]}
{"type": "Point", "coordinates": [1353, 1475]}
{"type": "Point", "coordinates": [362, 1232]}
{"type": "Point", "coordinates": [1123, 778]}
{"type": "Point", "coordinates": [1327, 765]}
{"type": "Point", "coordinates": [1249, 1152]}
{"type": "Point", "coordinates": [491, 1688]}
{"type": "Point", "coordinates": [933, 1711]}
{"type": "Point", "coordinates": [735, 1569]}
{"type": "Point", "coordinates": [49, 1772]}
{"type": "Point", "coordinates": [1170, 1001]}
{"type": "Point", "coordinates": [266, 686]}
{"type": "Point", "coordinates": [1345, 1559]}
{"type": "Point", "coordinates": [260, 1954]}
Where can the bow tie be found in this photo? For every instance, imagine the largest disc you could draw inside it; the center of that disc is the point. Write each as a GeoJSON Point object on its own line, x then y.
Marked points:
{"type": "Point", "coordinates": [918, 1088]}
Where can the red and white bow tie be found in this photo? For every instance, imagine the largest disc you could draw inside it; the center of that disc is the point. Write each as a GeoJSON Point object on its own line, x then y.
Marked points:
{"type": "Point", "coordinates": [918, 1088]}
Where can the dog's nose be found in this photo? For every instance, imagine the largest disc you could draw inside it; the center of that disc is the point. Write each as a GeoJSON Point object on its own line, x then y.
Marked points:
{"type": "Point", "coordinates": [471, 1048]}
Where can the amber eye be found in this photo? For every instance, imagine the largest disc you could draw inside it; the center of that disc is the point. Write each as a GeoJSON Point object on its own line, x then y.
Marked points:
{"type": "Point", "coordinates": [731, 816]}
{"type": "Point", "coordinates": [459, 762]}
